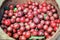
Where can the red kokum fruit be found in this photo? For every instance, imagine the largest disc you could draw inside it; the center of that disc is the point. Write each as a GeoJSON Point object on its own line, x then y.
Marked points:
{"type": "Point", "coordinates": [55, 28]}
{"type": "Point", "coordinates": [30, 6]}
{"type": "Point", "coordinates": [49, 36]}
{"type": "Point", "coordinates": [42, 13]}
{"type": "Point", "coordinates": [32, 30]}
{"type": "Point", "coordinates": [11, 6]}
{"type": "Point", "coordinates": [10, 14]}
{"type": "Point", "coordinates": [44, 9]}
{"type": "Point", "coordinates": [44, 4]}
{"type": "Point", "coordinates": [40, 16]}
{"type": "Point", "coordinates": [55, 15]}
{"type": "Point", "coordinates": [28, 34]}
{"type": "Point", "coordinates": [12, 20]}
{"type": "Point", "coordinates": [53, 32]}
{"type": "Point", "coordinates": [14, 30]}
{"type": "Point", "coordinates": [30, 2]}
{"type": "Point", "coordinates": [32, 25]}
{"type": "Point", "coordinates": [9, 33]}
{"type": "Point", "coordinates": [24, 33]}
{"type": "Point", "coordinates": [10, 11]}
{"type": "Point", "coordinates": [14, 17]}
{"type": "Point", "coordinates": [22, 19]}
{"type": "Point", "coordinates": [49, 13]}
{"type": "Point", "coordinates": [38, 10]}
{"type": "Point", "coordinates": [5, 15]}
{"type": "Point", "coordinates": [36, 3]}
{"type": "Point", "coordinates": [42, 22]}
{"type": "Point", "coordinates": [57, 21]}
{"type": "Point", "coordinates": [6, 12]}
{"type": "Point", "coordinates": [53, 24]}
{"type": "Point", "coordinates": [7, 22]}
{"type": "Point", "coordinates": [50, 29]}
{"type": "Point", "coordinates": [25, 10]}
{"type": "Point", "coordinates": [47, 18]}
{"type": "Point", "coordinates": [16, 26]}
{"type": "Point", "coordinates": [47, 22]}
{"type": "Point", "coordinates": [15, 35]}
{"type": "Point", "coordinates": [53, 10]}
{"type": "Point", "coordinates": [25, 5]}
{"type": "Point", "coordinates": [11, 25]}
{"type": "Point", "coordinates": [18, 5]}
{"type": "Point", "coordinates": [45, 27]}
{"type": "Point", "coordinates": [35, 9]}
{"type": "Point", "coordinates": [35, 12]}
{"type": "Point", "coordinates": [33, 6]}
{"type": "Point", "coordinates": [19, 8]}
{"type": "Point", "coordinates": [9, 29]}
{"type": "Point", "coordinates": [19, 32]}
{"type": "Point", "coordinates": [52, 18]}
{"type": "Point", "coordinates": [40, 33]}
{"type": "Point", "coordinates": [30, 16]}
{"type": "Point", "coordinates": [46, 33]}
{"type": "Point", "coordinates": [33, 3]}
{"type": "Point", "coordinates": [52, 7]}
{"type": "Point", "coordinates": [22, 28]}
{"type": "Point", "coordinates": [27, 27]}
{"type": "Point", "coordinates": [39, 26]}
{"type": "Point", "coordinates": [36, 20]}
{"type": "Point", "coordinates": [27, 20]}
{"type": "Point", "coordinates": [22, 38]}
{"type": "Point", "coordinates": [48, 6]}
{"type": "Point", "coordinates": [21, 24]}
{"type": "Point", "coordinates": [17, 19]}
{"type": "Point", "coordinates": [20, 14]}
{"type": "Point", "coordinates": [40, 6]}
{"type": "Point", "coordinates": [35, 33]}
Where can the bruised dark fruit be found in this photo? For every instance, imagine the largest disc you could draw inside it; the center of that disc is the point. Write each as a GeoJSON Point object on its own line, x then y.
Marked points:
{"type": "Point", "coordinates": [30, 19]}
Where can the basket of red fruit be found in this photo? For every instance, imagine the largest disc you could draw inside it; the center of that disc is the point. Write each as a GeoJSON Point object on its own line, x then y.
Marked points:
{"type": "Point", "coordinates": [30, 19]}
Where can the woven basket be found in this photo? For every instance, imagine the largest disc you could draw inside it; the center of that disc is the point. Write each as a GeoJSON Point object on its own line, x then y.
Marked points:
{"type": "Point", "coordinates": [4, 36]}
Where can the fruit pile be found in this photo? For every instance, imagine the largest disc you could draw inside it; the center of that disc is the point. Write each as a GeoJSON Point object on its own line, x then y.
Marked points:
{"type": "Point", "coordinates": [30, 19]}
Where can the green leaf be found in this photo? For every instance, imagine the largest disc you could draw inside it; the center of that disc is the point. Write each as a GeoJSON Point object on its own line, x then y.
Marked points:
{"type": "Point", "coordinates": [45, 15]}
{"type": "Point", "coordinates": [15, 9]}
{"type": "Point", "coordinates": [6, 8]}
{"type": "Point", "coordinates": [36, 37]}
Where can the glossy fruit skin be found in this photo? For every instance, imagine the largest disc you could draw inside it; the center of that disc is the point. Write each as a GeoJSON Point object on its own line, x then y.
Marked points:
{"type": "Point", "coordinates": [17, 19]}
{"type": "Point", "coordinates": [46, 33]}
{"type": "Point", "coordinates": [12, 20]}
{"type": "Point", "coordinates": [15, 35]}
{"type": "Point", "coordinates": [7, 22]}
{"type": "Point", "coordinates": [32, 26]}
{"type": "Point", "coordinates": [22, 19]}
{"type": "Point", "coordinates": [29, 19]}
{"type": "Point", "coordinates": [55, 28]}
{"type": "Point", "coordinates": [22, 38]}
{"type": "Point", "coordinates": [9, 29]}
{"type": "Point", "coordinates": [11, 6]}
{"type": "Point", "coordinates": [35, 33]}
{"type": "Point", "coordinates": [6, 11]}
{"type": "Point", "coordinates": [22, 28]}
{"type": "Point", "coordinates": [41, 32]}
{"type": "Point", "coordinates": [39, 26]}
{"type": "Point", "coordinates": [19, 32]}
{"type": "Point", "coordinates": [49, 29]}
{"type": "Point", "coordinates": [16, 26]}
{"type": "Point", "coordinates": [45, 27]}
{"type": "Point", "coordinates": [28, 34]}
{"type": "Point", "coordinates": [36, 20]}
{"type": "Point", "coordinates": [27, 27]}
